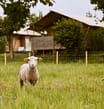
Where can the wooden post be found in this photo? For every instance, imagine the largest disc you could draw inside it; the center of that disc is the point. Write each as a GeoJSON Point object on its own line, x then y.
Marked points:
{"type": "Point", "coordinates": [57, 59]}
{"type": "Point", "coordinates": [5, 58]}
{"type": "Point", "coordinates": [86, 57]}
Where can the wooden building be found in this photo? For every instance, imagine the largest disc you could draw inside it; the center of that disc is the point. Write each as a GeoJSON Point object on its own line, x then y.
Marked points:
{"type": "Point", "coordinates": [43, 39]}
{"type": "Point", "coordinates": [44, 26]}
{"type": "Point", "coordinates": [22, 40]}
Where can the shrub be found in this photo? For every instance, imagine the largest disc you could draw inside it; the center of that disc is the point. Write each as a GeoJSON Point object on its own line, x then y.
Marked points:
{"type": "Point", "coordinates": [3, 43]}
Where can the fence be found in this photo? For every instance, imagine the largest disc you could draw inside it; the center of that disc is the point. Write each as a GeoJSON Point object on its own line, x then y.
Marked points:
{"type": "Point", "coordinates": [19, 57]}
{"type": "Point", "coordinates": [87, 57]}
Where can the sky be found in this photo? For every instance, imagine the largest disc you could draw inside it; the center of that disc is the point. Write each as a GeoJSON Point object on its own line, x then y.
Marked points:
{"type": "Point", "coordinates": [79, 8]}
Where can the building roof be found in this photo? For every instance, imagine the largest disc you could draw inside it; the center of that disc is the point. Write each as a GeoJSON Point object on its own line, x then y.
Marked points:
{"type": "Point", "coordinates": [53, 16]}
{"type": "Point", "coordinates": [26, 32]}
{"type": "Point", "coordinates": [48, 20]}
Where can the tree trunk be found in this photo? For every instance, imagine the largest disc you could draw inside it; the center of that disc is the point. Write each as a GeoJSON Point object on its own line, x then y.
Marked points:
{"type": "Point", "coordinates": [11, 47]}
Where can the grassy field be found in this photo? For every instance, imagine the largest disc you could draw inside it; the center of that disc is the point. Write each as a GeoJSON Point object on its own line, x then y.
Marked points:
{"type": "Point", "coordinates": [63, 86]}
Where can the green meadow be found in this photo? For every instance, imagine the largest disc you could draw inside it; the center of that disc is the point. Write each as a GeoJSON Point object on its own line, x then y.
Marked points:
{"type": "Point", "coordinates": [62, 86]}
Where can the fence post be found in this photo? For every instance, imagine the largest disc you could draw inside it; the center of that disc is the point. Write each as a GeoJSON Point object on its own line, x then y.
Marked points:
{"type": "Point", "coordinates": [86, 57]}
{"type": "Point", "coordinates": [5, 58]}
{"type": "Point", "coordinates": [57, 59]}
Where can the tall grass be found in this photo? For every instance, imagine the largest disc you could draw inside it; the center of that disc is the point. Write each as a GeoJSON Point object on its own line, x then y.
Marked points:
{"type": "Point", "coordinates": [63, 86]}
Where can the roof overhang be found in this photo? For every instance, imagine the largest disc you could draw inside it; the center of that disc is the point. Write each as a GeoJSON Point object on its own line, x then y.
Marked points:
{"type": "Point", "coordinates": [48, 20]}
{"type": "Point", "coordinates": [26, 32]}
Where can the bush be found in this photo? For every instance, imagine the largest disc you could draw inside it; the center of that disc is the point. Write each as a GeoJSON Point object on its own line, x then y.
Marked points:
{"type": "Point", "coordinates": [69, 34]}
{"type": "Point", "coordinates": [3, 43]}
{"type": "Point", "coordinates": [97, 39]}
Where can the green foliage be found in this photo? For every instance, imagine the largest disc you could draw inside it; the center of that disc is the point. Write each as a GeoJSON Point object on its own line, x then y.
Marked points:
{"type": "Point", "coordinates": [97, 39]}
{"type": "Point", "coordinates": [33, 18]}
{"type": "Point", "coordinates": [100, 5]}
{"type": "Point", "coordinates": [28, 3]}
{"type": "Point", "coordinates": [1, 25]}
{"type": "Point", "coordinates": [17, 13]}
{"type": "Point", "coordinates": [45, 2]}
{"type": "Point", "coordinates": [69, 34]}
{"type": "Point", "coordinates": [3, 43]}
{"type": "Point", "coordinates": [16, 17]}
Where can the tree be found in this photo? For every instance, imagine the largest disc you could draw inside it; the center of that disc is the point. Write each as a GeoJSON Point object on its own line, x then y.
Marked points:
{"type": "Point", "coordinates": [99, 5]}
{"type": "Point", "coordinates": [3, 40]}
{"type": "Point", "coordinates": [15, 19]}
{"type": "Point", "coordinates": [97, 39]}
{"type": "Point", "coordinates": [17, 13]}
{"type": "Point", "coordinates": [3, 43]}
{"type": "Point", "coordinates": [33, 18]}
{"type": "Point", "coordinates": [28, 3]}
{"type": "Point", "coordinates": [69, 34]}
{"type": "Point", "coordinates": [1, 23]}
